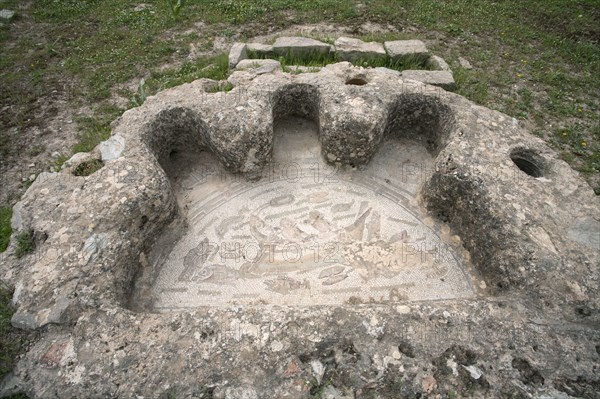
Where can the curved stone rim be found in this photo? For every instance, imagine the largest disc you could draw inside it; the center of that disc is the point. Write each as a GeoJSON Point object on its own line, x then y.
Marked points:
{"type": "Point", "coordinates": [237, 127]}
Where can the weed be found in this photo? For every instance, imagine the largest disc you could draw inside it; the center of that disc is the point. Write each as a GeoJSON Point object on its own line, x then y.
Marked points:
{"type": "Point", "coordinates": [471, 85]}
{"type": "Point", "coordinates": [216, 68]}
{"type": "Point", "coordinates": [216, 88]}
{"type": "Point", "coordinates": [8, 347]}
{"type": "Point", "coordinates": [175, 6]}
{"type": "Point", "coordinates": [5, 227]}
{"type": "Point", "coordinates": [88, 167]}
{"type": "Point", "coordinates": [95, 129]}
{"type": "Point", "coordinates": [58, 162]}
{"type": "Point", "coordinates": [139, 97]}
{"type": "Point", "coordinates": [36, 150]}
{"type": "Point", "coordinates": [320, 60]}
{"type": "Point", "coordinates": [25, 243]}
{"type": "Point", "coordinates": [318, 390]}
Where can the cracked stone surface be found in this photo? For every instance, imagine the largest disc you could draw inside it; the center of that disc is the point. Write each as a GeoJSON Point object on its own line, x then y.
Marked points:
{"type": "Point", "coordinates": [513, 313]}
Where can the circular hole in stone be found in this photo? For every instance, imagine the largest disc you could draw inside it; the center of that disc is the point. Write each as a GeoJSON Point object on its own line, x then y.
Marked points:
{"type": "Point", "coordinates": [528, 161]}
{"type": "Point", "coordinates": [356, 82]}
{"type": "Point", "coordinates": [88, 167]}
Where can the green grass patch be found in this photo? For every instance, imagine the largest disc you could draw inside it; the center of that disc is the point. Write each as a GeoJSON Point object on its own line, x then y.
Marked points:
{"type": "Point", "coordinates": [88, 167]}
{"type": "Point", "coordinates": [472, 85]}
{"type": "Point", "coordinates": [216, 68]}
{"type": "Point", "coordinates": [319, 60]}
{"type": "Point", "coordinates": [92, 130]}
{"type": "Point", "coordinates": [5, 228]}
{"type": "Point", "coordinates": [25, 243]}
{"type": "Point", "coordinates": [8, 346]}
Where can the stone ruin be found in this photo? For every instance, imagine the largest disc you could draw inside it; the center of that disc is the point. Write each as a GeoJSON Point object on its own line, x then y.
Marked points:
{"type": "Point", "coordinates": [346, 233]}
{"type": "Point", "coordinates": [261, 58]}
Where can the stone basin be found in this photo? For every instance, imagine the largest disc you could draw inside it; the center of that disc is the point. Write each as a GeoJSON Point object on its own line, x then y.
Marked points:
{"type": "Point", "coordinates": [300, 229]}
{"type": "Point", "coordinates": [306, 232]}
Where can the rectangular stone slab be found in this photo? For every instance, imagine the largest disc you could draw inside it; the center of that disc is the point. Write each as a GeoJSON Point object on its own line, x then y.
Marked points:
{"type": "Point", "coordinates": [349, 49]}
{"type": "Point", "coordinates": [300, 47]}
{"type": "Point", "coordinates": [404, 49]}
{"type": "Point", "coordinates": [260, 49]}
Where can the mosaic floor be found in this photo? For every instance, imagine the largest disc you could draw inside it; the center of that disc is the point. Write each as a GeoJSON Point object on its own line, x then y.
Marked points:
{"type": "Point", "coordinates": [307, 233]}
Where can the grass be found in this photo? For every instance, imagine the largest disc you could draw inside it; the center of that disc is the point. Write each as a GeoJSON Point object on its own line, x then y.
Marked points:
{"type": "Point", "coordinates": [94, 130]}
{"type": "Point", "coordinates": [25, 243]}
{"type": "Point", "coordinates": [9, 347]}
{"type": "Point", "coordinates": [216, 68]}
{"type": "Point", "coordinates": [5, 228]}
{"type": "Point", "coordinates": [88, 167]}
{"type": "Point", "coordinates": [12, 341]}
{"type": "Point", "coordinates": [320, 60]}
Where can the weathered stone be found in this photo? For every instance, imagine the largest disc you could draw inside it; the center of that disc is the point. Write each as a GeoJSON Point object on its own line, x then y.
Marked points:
{"type": "Point", "coordinates": [259, 66]}
{"type": "Point", "coordinates": [76, 159]}
{"type": "Point", "coordinates": [436, 63]}
{"type": "Point", "coordinates": [55, 354]}
{"type": "Point", "coordinates": [25, 321]}
{"type": "Point", "coordinates": [388, 70]}
{"type": "Point", "coordinates": [236, 54]}
{"type": "Point", "coordinates": [260, 49]}
{"type": "Point", "coordinates": [353, 50]}
{"type": "Point", "coordinates": [521, 261]}
{"type": "Point", "coordinates": [407, 50]}
{"type": "Point", "coordinates": [16, 221]}
{"type": "Point", "coordinates": [209, 85]}
{"type": "Point", "coordinates": [112, 148]}
{"type": "Point", "coordinates": [443, 79]}
{"type": "Point", "coordinates": [300, 47]}
{"type": "Point", "coordinates": [585, 231]}
{"type": "Point", "coordinates": [7, 14]}
{"type": "Point", "coordinates": [303, 69]}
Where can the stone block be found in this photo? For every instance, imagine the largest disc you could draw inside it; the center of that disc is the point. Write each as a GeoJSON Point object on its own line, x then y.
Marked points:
{"type": "Point", "coordinates": [236, 54]}
{"type": "Point", "coordinates": [436, 63]}
{"type": "Point", "coordinates": [259, 66]}
{"type": "Point", "coordinates": [400, 50]}
{"type": "Point", "coordinates": [349, 49]}
{"type": "Point", "coordinates": [260, 49]}
{"type": "Point", "coordinates": [300, 47]}
{"type": "Point", "coordinates": [388, 70]}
